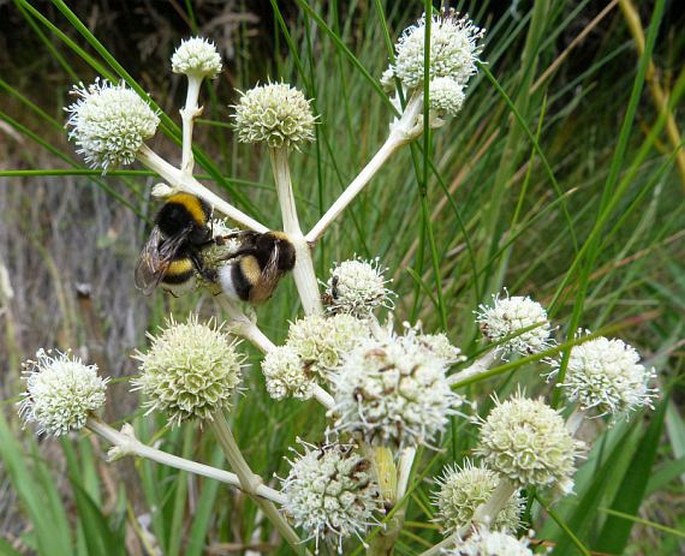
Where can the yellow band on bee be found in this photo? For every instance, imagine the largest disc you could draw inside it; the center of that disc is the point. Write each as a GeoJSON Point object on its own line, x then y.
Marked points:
{"type": "Point", "coordinates": [192, 204]}
{"type": "Point", "coordinates": [180, 266]}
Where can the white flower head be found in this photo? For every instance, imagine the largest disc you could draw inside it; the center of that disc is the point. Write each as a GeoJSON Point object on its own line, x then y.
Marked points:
{"type": "Point", "coordinates": [393, 392]}
{"type": "Point", "coordinates": [527, 441]}
{"type": "Point", "coordinates": [196, 57]}
{"type": "Point", "coordinates": [463, 489]}
{"type": "Point", "coordinates": [446, 97]}
{"type": "Point", "coordinates": [454, 49]}
{"type": "Point", "coordinates": [286, 374]}
{"type": "Point", "coordinates": [606, 374]}
{"type": "Point", "coordinates": [436, 345]}
{"type": "Point", "coordinates": [276, 114]}
{"type": "Point", "coordinates": [322, 342]}
{"type": "Point", "coordinates": [191, 370]}
{"type": "Point", "coordinates": [358, 287]}
{"type": "Point", "coordinates": [61, 392]}
{"type": "Point", "coordinates": [330, 492]}
{"type": "Point", "coordinates": [109, 123]}
{"type": "Point", "coordinates": [506, 319]}
{"type": "Point", "coordinates": [484, 542]}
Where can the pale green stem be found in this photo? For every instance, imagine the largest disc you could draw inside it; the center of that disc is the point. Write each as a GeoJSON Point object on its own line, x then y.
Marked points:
{"type": "Point", "coordinates": [188, 114]}
{"type": "Point", "coordinates": [241, 325]}
{"type": "Point", "coordinates": [126, 443]}
{"type": "Point", "coordinates": [250, 482]}
{"type": "Point", "coordinates": [484, 514]}
{"type": "Point", "coordinates": [189, 184]}
{"type": "Point", "coordinates": [402, 131]}
{"type": "Point", "coordinates": [479, 366]}
{"type": "Point", "coordinates": [303, 273]}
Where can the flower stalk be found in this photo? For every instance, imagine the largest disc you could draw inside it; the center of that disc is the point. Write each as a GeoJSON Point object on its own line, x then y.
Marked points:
{"type": "Point", "coordinates": [189, 184]}
{"type": "Point", "coordinates": [125, 443]}
{"type": "Point", "coordinates": [250, 482]}
{"type": "Point", "coordinates": [303, 273]}
{"type": "Point", "coordinates": [189, 112]}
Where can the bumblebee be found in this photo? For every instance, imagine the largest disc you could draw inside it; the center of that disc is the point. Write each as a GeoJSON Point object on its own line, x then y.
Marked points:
{"type": "Point", "coordinates": [253, 271]}
{"type": "Point", "coordinates": [173, 253]}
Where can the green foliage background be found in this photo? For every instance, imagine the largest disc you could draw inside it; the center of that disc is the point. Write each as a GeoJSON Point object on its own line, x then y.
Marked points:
{"type": "Point", "coordinates": [557, 181]}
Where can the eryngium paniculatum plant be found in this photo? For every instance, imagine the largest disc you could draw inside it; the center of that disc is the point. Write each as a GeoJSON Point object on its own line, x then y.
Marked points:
{"type": "Point", "coordinates": [387, 393]}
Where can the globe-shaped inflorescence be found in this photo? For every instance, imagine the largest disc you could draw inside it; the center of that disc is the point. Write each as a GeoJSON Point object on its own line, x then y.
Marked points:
{"type": "Point", "coordinates": [190, 371]}
{"type": "Point", "coordinates": [61, 392]}
{"type": "Point", "coordinates": [330, 492]}
{"type": "Point", "coordinates": [109, 123]}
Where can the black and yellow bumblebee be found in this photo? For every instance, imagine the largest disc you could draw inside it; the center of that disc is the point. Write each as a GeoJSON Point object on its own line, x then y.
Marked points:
{"type": "Point", "coordinates": [172, 255]}
{"type": "Point", "coordinates": [253, 271]}
{"type": "Point", "coordinates": [246, 265]}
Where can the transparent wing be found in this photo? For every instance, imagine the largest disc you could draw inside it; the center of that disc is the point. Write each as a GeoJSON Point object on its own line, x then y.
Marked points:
{"type": "Point", "coordinates": [155, 258]}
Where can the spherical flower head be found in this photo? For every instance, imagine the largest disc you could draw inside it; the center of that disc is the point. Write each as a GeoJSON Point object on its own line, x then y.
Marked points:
{"type": "Point", "coordinates": [191, 370]}
{"type": "Point", "coordinates": [286, 374]}
{"type": "Point", "coordinates": [527, 441]}
{"type": "Point", "coordinates": [435, 345]}
{"type": "Point", "coordinates": [109, 123]}
{"type": "Point", "coordinates": [357, 287]}
{"type": "Point", "coordinates": [321, 342]}
{"type": "Point", "coordinates": [330, 492]}
{"type": "Point", "coordinates": [606, 374]}
{"type": "Point", "coordinates": [454, 49]}
{"type": "Point", "coordinates": [276, 114]}
{"type": "Point", "coordinates": [508, 316]}
{"type": "Point", "coordinates": [446, 97]}
{"type": "Point", "coordinates": [484, 542]}
{"type": "Point", "coordinates": [393, 393]}
{"type": "Point", "coordinates": [463, 489]}
{"type": "Point", "coordinates": [61, 392]}
{"type": "Point", "coordinates": [196, 57]}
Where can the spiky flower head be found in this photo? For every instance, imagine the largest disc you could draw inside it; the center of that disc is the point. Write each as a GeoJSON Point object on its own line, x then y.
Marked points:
{"type": "Point", "coordinates": [61, 392]}
{"type": "Point", "coordinates": [330, 492]}
{"type": "Point", "coordinates": [357, 287]}
{"type": "Point", "coordinates": [605, 374]}
{"type": "Point", "coordinates": [191, 370]}
{"type": "Point", "coordinates": [446, 97]}
{"type": "Point", "coordinates": [509, 316]}
{"type": "Point", "coordinates": [463, 489]}
{"type": "Point", "coordinates": [527, 441]}
{"type": "Point", "coordinates": [484, 542]}
{"type": "Point", "coordinates": [393, 392]}
{"type": "Point", "coordinates": [454, 49]}
{"type": "Point", "coordinates": [196, 57]}
{"type": "Point", "coordinates": [286, 374]}
{"type": "Point", "coordinates": [321, 342]}
{"type": "Point", "coordinates": [109, 123]}
{"type": "Point", "coordinates": [276, 114]}
{"type": "Point", "coordinates": [436, 345]}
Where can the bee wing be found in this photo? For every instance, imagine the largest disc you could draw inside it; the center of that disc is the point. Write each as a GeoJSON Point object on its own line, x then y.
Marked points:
{"type": "Point", "coordinates": [269, 278]}
{"type": "Point", "coordinates": [155, 258]}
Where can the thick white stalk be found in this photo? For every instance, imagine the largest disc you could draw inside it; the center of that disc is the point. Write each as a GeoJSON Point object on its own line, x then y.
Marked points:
{"type": "Point", "coordinates": [394, 141]}
{"type": "Point", "coordinates": [188, 114]}
{"type": "Point", "coordinates": [303, 273]}
{"type": "Point", "coordinates": [189, 184]}
{"type": "Point", "coordinates": [250, 482]}
{"type": "Point", "coordinates": [480, 365]}
{"type": "Point", "coordinates": [241, 325]}
{"type": "Point", "coordinates": [402, 131]}
{"type": "Point", "coordinates": [323, 397]}
{"type": "Point", "coordinates": [126, 443]}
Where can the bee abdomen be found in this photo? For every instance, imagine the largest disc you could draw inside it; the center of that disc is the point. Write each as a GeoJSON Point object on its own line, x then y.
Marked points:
{"type": "Point", "coordinates": [179, 271]}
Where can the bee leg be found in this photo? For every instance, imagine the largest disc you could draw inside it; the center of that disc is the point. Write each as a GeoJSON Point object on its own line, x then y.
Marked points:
{"type": "Point", "coordinates": [208, 274]}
